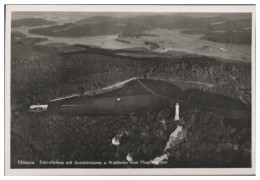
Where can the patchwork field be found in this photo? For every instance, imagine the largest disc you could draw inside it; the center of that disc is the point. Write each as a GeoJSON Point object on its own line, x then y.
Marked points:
{"type": "Point", "coordinates": [174, 40]}
{"type": "Point", "coordinates": [162, 40]}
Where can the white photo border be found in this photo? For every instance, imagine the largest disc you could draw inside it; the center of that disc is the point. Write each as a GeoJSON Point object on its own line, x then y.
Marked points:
{"type": "Point", "coordinates": [126, 8]}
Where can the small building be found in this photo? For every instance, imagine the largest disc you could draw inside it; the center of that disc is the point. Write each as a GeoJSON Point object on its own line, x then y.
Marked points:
{"type": "Point", "coordinates": [38, 108]}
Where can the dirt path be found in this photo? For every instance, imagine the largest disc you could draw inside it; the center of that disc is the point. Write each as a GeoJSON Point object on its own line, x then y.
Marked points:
{"type": "Point", "coordinates": [148, 89]}
{"type": "Point", "coordinates": [120, 83]}
{"type": "Point", "coordinates": [196, 82]}
{"type": "Point", "coordinates": [179, 35]}
{"type": "Point", "coordinates": [105, 89]}
{"type": "Point", "coordinates": [66, 97]}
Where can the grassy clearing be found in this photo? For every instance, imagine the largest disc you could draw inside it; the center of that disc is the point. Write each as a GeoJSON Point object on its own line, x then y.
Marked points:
{"type": "Point", "coordinates": [125, 105]}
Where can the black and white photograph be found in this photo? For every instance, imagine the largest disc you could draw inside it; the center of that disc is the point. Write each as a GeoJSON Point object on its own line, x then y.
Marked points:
{"type": "Point", "coordinates": [127, 87]}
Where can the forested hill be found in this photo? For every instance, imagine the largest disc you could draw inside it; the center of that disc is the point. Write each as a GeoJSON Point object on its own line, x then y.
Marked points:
{"type": "Point", "coordinates": [129, 27]}
{"type": "Point", "coordinates": [31, 22]}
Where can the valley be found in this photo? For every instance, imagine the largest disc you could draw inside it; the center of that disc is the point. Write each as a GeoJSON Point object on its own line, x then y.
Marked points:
{"type": "Point", "coordinates": [121, 77]}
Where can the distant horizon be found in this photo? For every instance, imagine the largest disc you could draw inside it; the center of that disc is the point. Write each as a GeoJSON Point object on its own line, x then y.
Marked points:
{"type": "Point", "coordinates": [80, 15]}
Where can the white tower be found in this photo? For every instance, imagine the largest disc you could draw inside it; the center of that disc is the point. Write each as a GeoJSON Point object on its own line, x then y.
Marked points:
{"type": "Point", "coordinates": [177, 118]}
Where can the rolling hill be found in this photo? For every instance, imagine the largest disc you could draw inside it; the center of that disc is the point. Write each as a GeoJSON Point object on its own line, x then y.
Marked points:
{"type": "Point", "coordinates": [103, 25]}
{"type": "Point", "coordinates": [31, 22]}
